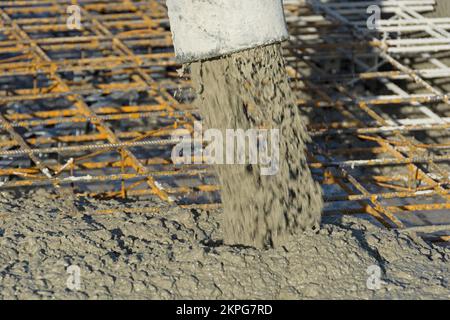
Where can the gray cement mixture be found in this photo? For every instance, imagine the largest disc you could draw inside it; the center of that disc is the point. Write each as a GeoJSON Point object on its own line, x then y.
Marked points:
{"type": "Point", "coordinates": [250, 90]}
{"type": "Point", "coordinates": [442, 9]}
{"type": "Point", "coordinates": [173, 253]}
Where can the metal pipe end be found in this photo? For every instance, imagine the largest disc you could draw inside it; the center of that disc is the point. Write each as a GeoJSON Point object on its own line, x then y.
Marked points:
{"type": "Point", "coordinates": [207, 29]}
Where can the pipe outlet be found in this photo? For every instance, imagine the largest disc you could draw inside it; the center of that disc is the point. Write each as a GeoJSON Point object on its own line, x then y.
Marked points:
{"type": "Point", "coordinates": [205, 29]}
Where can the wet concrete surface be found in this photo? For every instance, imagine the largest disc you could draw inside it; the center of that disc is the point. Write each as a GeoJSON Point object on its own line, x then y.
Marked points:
{"type": "Point", "coordinates": [162, 252]}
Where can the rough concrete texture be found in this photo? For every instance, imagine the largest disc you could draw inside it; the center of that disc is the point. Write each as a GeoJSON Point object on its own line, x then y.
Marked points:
{"type": "Point", "coordinates": [251, 90]}
{"type": "Point", "coordinates": [178, 254]}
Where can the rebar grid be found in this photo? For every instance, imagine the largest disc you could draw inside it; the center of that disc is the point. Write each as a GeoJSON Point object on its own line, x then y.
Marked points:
{"type": "Point", "coordinates": [384, 135]}
{"type": "Point", "coordinates": [92, 110]}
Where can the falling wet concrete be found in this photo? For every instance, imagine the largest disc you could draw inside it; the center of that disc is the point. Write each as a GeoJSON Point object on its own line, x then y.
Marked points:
{"type": "Point", "coordinates": [172, 253]}
{"type": "Point", "coordinates": [442, 9]}
{"type": "Point", "coordinates": [250, 90]}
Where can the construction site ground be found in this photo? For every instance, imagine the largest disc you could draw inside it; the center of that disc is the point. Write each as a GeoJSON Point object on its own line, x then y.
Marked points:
{"type": "Point", "coordinates": [87, 181]}
{"type": "Point", "coordinates": [171, 253]}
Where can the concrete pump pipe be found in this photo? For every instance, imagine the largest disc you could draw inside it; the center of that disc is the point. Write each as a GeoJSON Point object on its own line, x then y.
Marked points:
{"type": "Point", "coordinates": [205, 29]}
